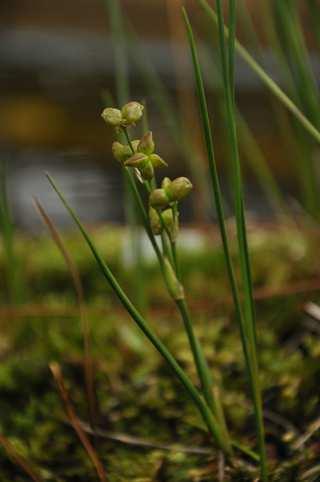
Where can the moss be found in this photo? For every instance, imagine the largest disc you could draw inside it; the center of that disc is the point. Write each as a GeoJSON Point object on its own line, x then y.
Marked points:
{"type": "Point", "coordinates": [136, 392]}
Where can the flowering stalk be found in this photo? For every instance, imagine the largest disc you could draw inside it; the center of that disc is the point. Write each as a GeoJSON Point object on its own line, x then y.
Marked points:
{"type": "Point", "coordinates": [163, 220]}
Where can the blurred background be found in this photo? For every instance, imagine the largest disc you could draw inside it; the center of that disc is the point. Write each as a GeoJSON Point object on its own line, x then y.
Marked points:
{"type": "Point", "coordinates": [61, 62]}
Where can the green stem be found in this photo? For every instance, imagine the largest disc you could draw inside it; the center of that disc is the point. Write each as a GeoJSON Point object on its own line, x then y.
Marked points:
{"type": "Point", "coordinates": [211, 395]}
{"type": "Point", "coordinates": [207, 384]}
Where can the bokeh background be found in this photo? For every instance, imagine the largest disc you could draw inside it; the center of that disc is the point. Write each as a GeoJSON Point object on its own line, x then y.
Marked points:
{"type": "Point", "coordinates": [58, 65]}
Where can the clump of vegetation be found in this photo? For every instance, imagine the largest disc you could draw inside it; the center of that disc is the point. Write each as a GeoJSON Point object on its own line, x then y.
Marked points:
{"type": "Point", "coordinates": [139, 161]}
{"type": "Point", "coordinates": [204, 356]}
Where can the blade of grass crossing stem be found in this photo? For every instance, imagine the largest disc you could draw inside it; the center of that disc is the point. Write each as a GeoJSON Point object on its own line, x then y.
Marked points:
{"type": "Point", "coordinates": [248, 346]}
{"type": "Point", "coordinates": [86, 332]}
{"type": "Point", "coordinates": [227, 61]}
{"type": "Point", "coordinates": [265, 78]}
{"type": "Point", "coordinates": [208, 417]}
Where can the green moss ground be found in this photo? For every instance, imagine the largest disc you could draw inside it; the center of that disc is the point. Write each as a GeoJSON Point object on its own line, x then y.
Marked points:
{"type": "Point", "coordinates": [136, 393]}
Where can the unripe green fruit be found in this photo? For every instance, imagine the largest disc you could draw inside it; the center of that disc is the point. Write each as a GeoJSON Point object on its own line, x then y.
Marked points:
{"type": "Point", "coordinates": [159, 199]}
{"type": "Point", "coordinates": [112, 116]}
{"type": "Point", "coordinates": [132, 113]}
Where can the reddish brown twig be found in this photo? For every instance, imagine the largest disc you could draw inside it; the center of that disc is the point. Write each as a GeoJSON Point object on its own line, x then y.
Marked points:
{"type": "Point", "coordinates": [57, 374]}
{"type": "Point", "coordinates": [75, 275]}
{"type": "Point", "coordinates": [19, 460]}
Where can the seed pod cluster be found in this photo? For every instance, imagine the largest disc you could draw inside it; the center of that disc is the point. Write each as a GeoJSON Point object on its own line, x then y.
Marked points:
{"type": "Point", "coordinates": [170, 192]}
{"type": "Point", "coordinates": [140, 155]}
{"type": "Point", "coordinates": [129, 115]}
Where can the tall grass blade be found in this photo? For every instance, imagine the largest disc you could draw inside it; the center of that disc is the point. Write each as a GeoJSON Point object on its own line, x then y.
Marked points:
{"type": "Point", "coordinates": [246, 322]}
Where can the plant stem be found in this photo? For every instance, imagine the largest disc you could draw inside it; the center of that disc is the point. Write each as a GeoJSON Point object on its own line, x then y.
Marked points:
{"type": "Point", "coordinates": [211, 395]}
{"type": "Point", "coordinates": [212, 398]}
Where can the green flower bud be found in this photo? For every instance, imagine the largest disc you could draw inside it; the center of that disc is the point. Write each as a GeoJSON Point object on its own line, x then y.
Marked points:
{"type": "Point", "coordinates": [159, 199]}
{"type": "Point", "coordinates": [146, 144]}
{"type": "Point", "coordinates": [132, 113]}
{"type": "Point", "coordinates": [111, 116]}
{"type": "Point", "coordinates": [179, 188]}
{"type": "Point", "coordinates": [121, 152]}
{"type": "Point", "coordinates": [157, 161]}
{"type": "Point", "coordinates": [138, 160]}
{"type": "Point", "coordinates": [171, 223]}
{"type": "Point", "coordinates": [174, 286]}
{"type": "Point", "coordinates": [155, 222]}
